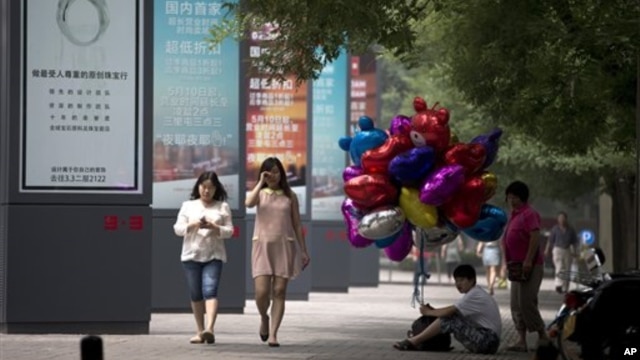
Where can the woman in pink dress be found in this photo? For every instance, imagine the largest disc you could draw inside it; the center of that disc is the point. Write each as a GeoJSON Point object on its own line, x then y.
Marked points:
{"type": "Point", "coordinates": [279, 251]}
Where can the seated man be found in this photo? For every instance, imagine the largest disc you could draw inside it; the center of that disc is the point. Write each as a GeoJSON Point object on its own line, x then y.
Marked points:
{"type": "Point", "coordinates": [474, 320]}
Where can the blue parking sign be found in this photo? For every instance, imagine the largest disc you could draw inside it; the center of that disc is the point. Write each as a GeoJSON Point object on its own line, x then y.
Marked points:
{"type": "Point", "coordinates": [587, 237]}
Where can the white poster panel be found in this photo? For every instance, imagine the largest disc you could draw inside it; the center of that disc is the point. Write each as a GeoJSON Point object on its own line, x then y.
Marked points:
{"type": "Point", "coordinates": [81, 128]}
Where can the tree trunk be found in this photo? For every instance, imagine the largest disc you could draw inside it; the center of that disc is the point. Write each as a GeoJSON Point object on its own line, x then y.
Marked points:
{"type": "Point", "coordinates": [624, 223]}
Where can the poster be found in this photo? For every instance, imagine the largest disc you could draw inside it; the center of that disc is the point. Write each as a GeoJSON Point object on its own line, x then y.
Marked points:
{"type": "Point", "coordinates": [276, 121]}
{"type": "Point", "coordinates": [364, 89]}
{"type": "Point", "coordinates": [81, 125]}
{"type": "Point", "coordinates": [330, 117]}
{"type": "Point", "coordinates": [196, 102]}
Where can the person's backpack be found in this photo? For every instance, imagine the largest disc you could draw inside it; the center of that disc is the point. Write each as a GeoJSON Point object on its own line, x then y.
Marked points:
{"type": "Point", "coordinates": [440, 342]}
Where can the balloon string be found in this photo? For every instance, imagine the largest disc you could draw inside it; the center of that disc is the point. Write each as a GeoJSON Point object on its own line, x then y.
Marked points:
{"type": "Point", "coordinates": [418, 291]}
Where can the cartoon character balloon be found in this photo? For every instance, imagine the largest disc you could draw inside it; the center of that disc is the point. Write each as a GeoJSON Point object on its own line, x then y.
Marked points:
{"type": "Point", "coordinates": [430, 126]}
{"type": "Point", "coordinates": [369, 137]}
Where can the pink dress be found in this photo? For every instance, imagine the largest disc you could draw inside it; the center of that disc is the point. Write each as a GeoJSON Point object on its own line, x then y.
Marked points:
{"type": "Point", "coordinates": [274, 250]}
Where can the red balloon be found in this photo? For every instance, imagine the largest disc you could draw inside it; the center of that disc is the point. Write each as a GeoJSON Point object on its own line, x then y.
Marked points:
{"type": "Point", "coordinates": [470, 156]}
{"type": "Point", "coordinates": [376, 161]}
{"type": "Point", "coordinates": [430, 126]}
{"type": "Point", "coordinates": [371, 191]}
{"type": "Point", "coordinates": [463, 210]}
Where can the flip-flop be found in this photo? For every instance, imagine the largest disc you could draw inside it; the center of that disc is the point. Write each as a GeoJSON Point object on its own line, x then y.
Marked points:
{"type": "Point", "coordinates": [274, 344]}
{"type": "Point", "coordinates": [405, 345]}
{"type": "Point", "coordinates": [208, 337]}
{"type": "Point", "coordinates": [517, 348]}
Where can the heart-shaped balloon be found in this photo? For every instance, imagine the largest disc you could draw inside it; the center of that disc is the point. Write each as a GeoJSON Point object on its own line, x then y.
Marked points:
{"type": "Point", "coordinates": [489, 226]}
{"type": "Point", "coordinates": [430, 126]}
{"type": "Point", "coordinates": [418, 213]}
{"type": "Point", "coordinates": [400, 125]}
{"type": "Point", "coordinates": [376, 161]}
{"type": "Point", "coordinates": [381, 223]}
{"type": "Point", "coordinates": [401, 247]}
{"type": "Point", "coordinates": [352, 216]}
{"type": "Point", "coordinates": [367, 138]}
{"type": "Point", "coordinates": [436, 236]}
{"type": "Point", "coordinates": [469, 156]}
{"type": "Point", "coordinates": [441, 184]}
{"type": "Point", "coordinates": [463, 210]}
{"type": "Point", "coordinates": [412, 165]}
{"type": "Point", "coordinates": [490, 184]}
{"type": "Point", "coordinates": [371, 191]}
{"type": "Point", "coordinates": [491, 143]}
{"type": "Point", "coordinates": [351, 171]}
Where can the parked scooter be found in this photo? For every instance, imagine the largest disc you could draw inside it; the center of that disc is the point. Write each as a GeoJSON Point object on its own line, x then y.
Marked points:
{"type": "Point", "coordinates": [602, 319]}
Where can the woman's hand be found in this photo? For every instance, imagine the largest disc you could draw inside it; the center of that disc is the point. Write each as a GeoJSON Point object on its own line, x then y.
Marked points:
{"type": "Point", "coordinates": [305, 260]}
{"type": "Point", "coordinates": [264, 176]}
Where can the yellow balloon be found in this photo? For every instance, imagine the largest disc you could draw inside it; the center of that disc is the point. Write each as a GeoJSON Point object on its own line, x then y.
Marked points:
{"type": "Point", "coordinates": [490, 184]}
{"type": "Point", "coordinates": [417, 212]}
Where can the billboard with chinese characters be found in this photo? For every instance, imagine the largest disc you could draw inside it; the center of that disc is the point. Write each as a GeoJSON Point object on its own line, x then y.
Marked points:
{"type": "Point", "coordinates": [81, 129]}
{"type": "Point", "coordinates": [276, 121]}
{"type": "Point", "coordinates": [330, 117]}
{"type": "Point", "coordinates": [196, 102]}
{"type": "Point", "coordinates": [364, 89]}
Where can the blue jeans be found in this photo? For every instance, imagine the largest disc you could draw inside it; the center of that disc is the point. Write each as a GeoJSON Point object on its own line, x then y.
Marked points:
{"type": "Point", "coordinates": [203, 279]}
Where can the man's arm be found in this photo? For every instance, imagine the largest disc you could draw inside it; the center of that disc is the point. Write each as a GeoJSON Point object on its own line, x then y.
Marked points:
{"type": "Point", "coordinates": [441, 312]}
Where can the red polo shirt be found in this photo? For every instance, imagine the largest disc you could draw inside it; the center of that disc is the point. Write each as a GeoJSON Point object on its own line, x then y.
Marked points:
{"type": "Point", "coordinates": [522, 222]}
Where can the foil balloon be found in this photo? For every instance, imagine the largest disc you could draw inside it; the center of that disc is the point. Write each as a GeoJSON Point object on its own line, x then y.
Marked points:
{"type": "Point", "coordinates": [386, 242]}
{"type": "Point", "coordinates": [470, 156]}
{"type": "Point", "coordinates": [463, 210]}
{"type": "Point", "coordinates": [436, 236]}
{"type": "Point", "coordinates": [489, 226]}
{"type": "Point", "coordinates": [412, 165]}
{"type": "Point", "coordinates": [381, 223]}
{"type": "Point", "coordinates": [376, 161]}
{"type": "Point", "coordinates": [400, 124]}
{"type": "Point", "coordinates": [367, 138]}
{"type": "Point", "coordinates": [418, 213]}
{"type": "Point", "coordinates": [430, 126]}
{"type": "Point", "coordinates": [370, 191]}
{"type": "Point", "coordinates": [351, 171]}
{"type": "Point", "coordinates": [490, 142]}
{"type": "Point", "coordinates": [401, 247]}
{"type": "Point", "coordinates": [441, 184]}
{"type": "Point", "coordinates": [352, 218]}
{"type": "Point", "coordinates": [490, 184]}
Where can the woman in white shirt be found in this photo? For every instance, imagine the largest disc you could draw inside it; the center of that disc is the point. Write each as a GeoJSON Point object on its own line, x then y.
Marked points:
{"type": "Point", "coordinates": [204, 222]}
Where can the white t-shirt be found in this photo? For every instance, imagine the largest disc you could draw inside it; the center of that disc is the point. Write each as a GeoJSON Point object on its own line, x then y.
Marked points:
{"type": "Point", "coordinates": [481, 308]}
{"type": "Point", "coordinates": [202, 245]}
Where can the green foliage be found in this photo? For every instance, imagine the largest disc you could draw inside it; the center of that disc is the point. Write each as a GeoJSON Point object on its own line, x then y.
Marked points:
{"type": "Point", "coordinates": [311, 33]}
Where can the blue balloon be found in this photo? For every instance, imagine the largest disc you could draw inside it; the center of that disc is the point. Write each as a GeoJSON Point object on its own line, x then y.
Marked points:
{"type": "Point", "coordinates": [369, 137]}
{"type": "Point", "coordinates": [490, 142]}
{"type": "Point", "coordinates": [489, 226]}
{"type": "Point", "coordinates": [412, 165]}
{"type": "Point", "coordinates": [386, 242]}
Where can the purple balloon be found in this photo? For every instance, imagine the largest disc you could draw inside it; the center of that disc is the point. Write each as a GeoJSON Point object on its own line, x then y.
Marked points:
{"type": "Point", "coordinates": [352, 216]}
{"type": "Point", "coordinates": [400, 124]}
{"type": "Point", "coordinates": [441, 184]}
{"type": "Point", "coordinates": [412, 165]}
{"type": "Point", "coordinates": [401, 247]}
{"type": "Point", "coordinates": [351, 171]}
{"type": "Point", "coordinates": [490, 143]}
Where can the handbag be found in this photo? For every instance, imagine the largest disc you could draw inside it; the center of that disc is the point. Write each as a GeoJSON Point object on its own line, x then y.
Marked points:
{"type": "Point", "coordinates": [515, 272]}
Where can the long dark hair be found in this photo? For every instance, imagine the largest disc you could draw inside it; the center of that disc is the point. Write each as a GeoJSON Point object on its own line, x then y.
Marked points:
{"type": "Point", "coordinates": [267, 165]}
{"type": "Point", "coordinates": [219, 195]}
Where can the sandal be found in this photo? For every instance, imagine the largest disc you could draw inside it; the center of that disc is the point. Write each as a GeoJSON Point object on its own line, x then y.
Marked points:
{"type": "Point", "coordinates": [208, 337]}
{"type": "Point", "coordinates": [405, 345]}
{"type": "Point", "coordinates": [196, 339]}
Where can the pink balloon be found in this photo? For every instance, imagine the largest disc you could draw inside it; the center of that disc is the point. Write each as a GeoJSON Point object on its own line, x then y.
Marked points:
{"type": "Point", "coordinates": [400, 124]}
{"type": "Point", "coordinates": [351, 171]}
{"type": "Point", "coordinates": [401, 247]}
{"type": "Point", "coordinates": [352, 216]}
{"type": "Point", "coordinates": [441, 184]}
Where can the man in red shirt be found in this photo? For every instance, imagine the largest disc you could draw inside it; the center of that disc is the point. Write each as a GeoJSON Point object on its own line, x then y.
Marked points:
{"type": "Point", "coordinates": [521, 245]}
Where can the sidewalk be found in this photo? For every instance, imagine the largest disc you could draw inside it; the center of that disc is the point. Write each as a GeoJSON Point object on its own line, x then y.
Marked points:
{"type": "Point", "coordinates": [362, 324]}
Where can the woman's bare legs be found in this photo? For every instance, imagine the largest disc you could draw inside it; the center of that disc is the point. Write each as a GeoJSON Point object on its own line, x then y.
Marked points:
{"type": "Point", "coordinates": [198, 313]}
{"type": "Point", "coordinates": [262, 286]}
{"type": "Point", "coordinates": [492, 273]}
{"type": "Point", "coordinates": [277, 307]}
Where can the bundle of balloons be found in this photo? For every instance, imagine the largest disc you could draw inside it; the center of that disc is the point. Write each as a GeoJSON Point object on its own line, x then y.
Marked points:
{"type": "Point", "coordinates": [417, 176]}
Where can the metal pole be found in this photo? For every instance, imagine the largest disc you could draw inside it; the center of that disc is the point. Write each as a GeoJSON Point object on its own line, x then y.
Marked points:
{"type": "Point", "coordinates": [637, 197]}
